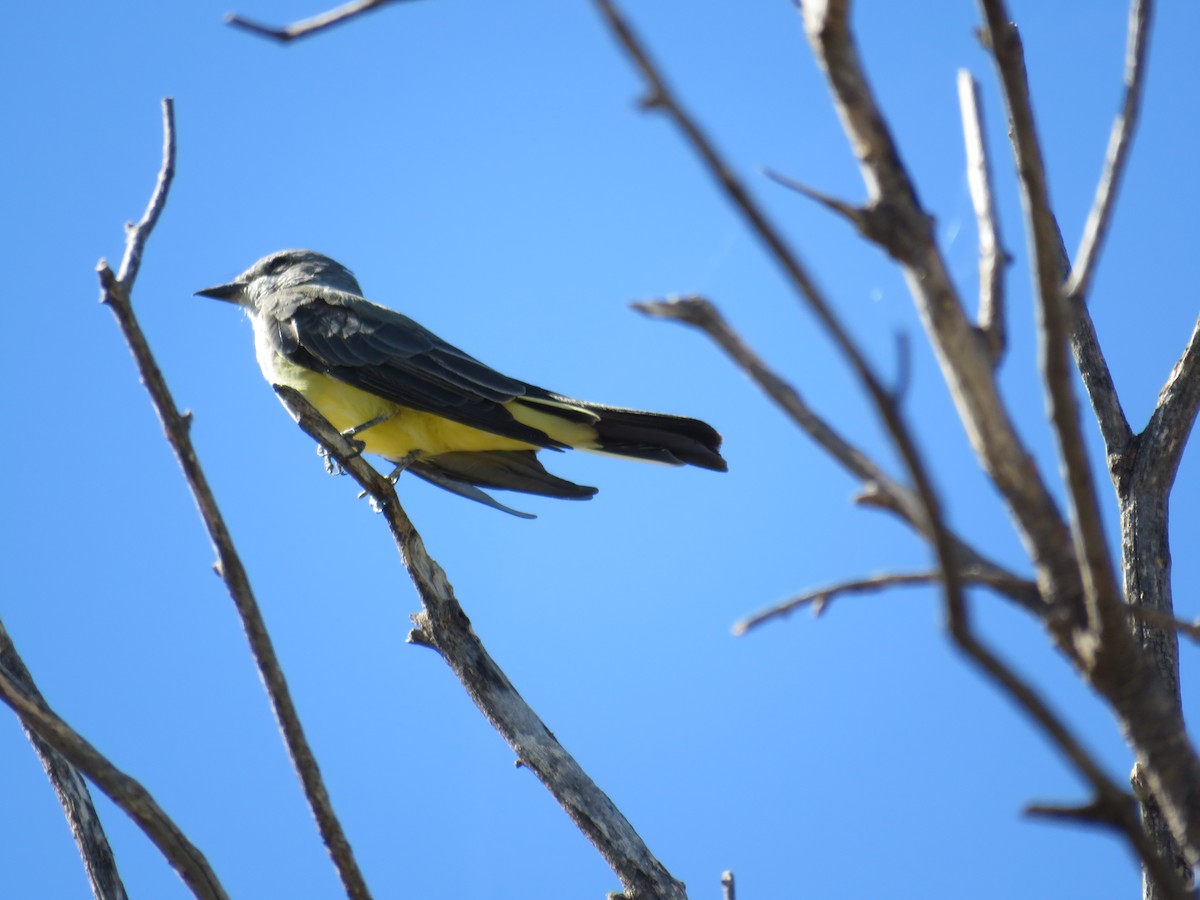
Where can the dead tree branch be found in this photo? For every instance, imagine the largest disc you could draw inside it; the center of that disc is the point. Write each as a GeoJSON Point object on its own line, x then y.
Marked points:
{"type": "Point", "coordinates": [68, 784]}
{"type": "Point", "coordinates": [1101, 595]}
{"type": "Point", "coordinates": [881, 489]}
{"type": "Point", "coordinates": [124, 791]}
{"type": "Point", "coordinates": [1112, 662]}
{"type": "Point", "coordinates": [116, 294]}
{"type": "Point", "coordinates": [820, 598]}
{"type": "Point", "coordinates": [443, 626]}
{"type": "Point", "coordinates": [992, 256]}
{"type": "Point", "coordinates": [1075, 573]}
{"type": "Point", "coordinates": [1119, 142]}
{"type": "Point", "coordinates": [305, 27]}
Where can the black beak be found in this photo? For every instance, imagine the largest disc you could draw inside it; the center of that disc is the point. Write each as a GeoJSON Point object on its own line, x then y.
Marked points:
{"type": "Point", "coordinates": [228, 292]}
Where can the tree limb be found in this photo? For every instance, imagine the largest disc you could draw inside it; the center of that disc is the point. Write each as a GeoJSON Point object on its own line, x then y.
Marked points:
{"type": "Point", "coordinates": [1119, 142]}
{"type": "Point", "coordinates": [1100, 591]}
{"type": "Point", "coordinates": [443, 626]}
{"type": "Point", "coordinates": [1137, 690]}
{"type": "Point", "coordinates": [820, 598]}
{"type": "Point", "coordinates": [993, 258]}
{"type": "Point", "coordinates": [1174, 415]}
{"type": "Point", "coordinates": [882, 490]}
{"type": "Point", "coordinates": [68, 784]}
{"type": "Point", "coordinates": [116, 294]}
{"type": "Point", "coordinates": [305, 27]}
{"type": "Point", "coordinates": [124, 791]}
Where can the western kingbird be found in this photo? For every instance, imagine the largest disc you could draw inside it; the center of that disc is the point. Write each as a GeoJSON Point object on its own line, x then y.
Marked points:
{"type": "Point", "coordinates": [422, 404]}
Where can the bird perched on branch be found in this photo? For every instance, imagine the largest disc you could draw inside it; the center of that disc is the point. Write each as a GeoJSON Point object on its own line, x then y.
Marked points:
{"type": "Point", "coordinates": [423, 404]}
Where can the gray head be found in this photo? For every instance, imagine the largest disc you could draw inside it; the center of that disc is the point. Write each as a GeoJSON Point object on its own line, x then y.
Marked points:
{"type": "Point", "coordinates": [281, 270]}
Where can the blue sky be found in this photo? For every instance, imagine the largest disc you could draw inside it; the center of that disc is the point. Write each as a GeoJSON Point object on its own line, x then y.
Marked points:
{"type": "Point", "coordinates": [484, 168]}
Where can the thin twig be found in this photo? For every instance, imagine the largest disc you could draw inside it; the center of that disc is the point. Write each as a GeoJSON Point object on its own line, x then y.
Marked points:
{"type": "Point", "coordinates": [820, 598]}
{"type": "Point", "coordinates": [1174, 415]}
{"type": "Point", "coordinates": [1119, 142]}
{"type": "Point", "coordinates": [125, 792]}
{"type": "Point", "coordinates": [69, 785]}
{"type": "Point", "coordinates": [442, 625]}
{"type": "Point", "coordinates": [993, 259]}
{"type": "Point", "coordinates": [854, 214]}
{"type": "Point", "coordinates": [117, 290]}
{"type": "Point", "coordinates": [1094, 812]}
{"type": "Point", "coordinates": [305, 27]}
{"type": "Point", "coordinates": [881, 489]}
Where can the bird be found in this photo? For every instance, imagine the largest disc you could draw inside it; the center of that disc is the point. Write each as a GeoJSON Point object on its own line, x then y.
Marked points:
{"type": "Point", "coordinates": [426, 406]}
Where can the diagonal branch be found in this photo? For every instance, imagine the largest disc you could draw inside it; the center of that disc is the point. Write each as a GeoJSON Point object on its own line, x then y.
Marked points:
{"type": "Point", "coordinates": [442, 625]}
{"type": "Point", "coordinates": [68, 784]}
{"type": "Point", "coordinates": [1174, 415]}
{"type": "Point", "coordinates": [1102, 392]}
{"type": "Point", "coordinates": [1119, 142]}
{"type": "Point", "coordinates": [883, 490]}
{"type": "Point", "coordinates": [820, 598]}
{"type": "Point", "coordinates": [125, 792]}
{"type": "Point", "coordinates": [993, 258]}
{"type": "Point", "coordinates": [305, 27]}
{"type": "Point", "coordinates": [855, 215]}
{"type": "Point", "coordinates": [116, 294]}
{"type": "Point", "coordinates": [1100, 590]}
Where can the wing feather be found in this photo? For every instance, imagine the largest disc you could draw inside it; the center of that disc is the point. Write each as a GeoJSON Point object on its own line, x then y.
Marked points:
{"type": "Point", "coordinates": [385, 353]}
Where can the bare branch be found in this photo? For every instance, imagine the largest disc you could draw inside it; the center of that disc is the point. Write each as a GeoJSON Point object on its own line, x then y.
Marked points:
{"type": "Point", "coordinates": [443, 626]}
{"type": "Point", "coordinates": [821, 597]}
{"type": "Point", "coordinates": [1096, 565]}
{"type": "Point", "coordinates": [993, 258]}
{"type": "Point", "coordinates": [1097, 811]}
{"type": "Point", "coordinates": [137, 235]}
{"type": "Point", "coordinates": [1174, 415]}
{"type": "Point", "coordinates": [965, 364]}
{"type": "Point", "coordinates": [1109, 658]}
{"type": "Point", "coordinates": [1102, 393]}
{"type": "Point", "coordinates": [69, 785]}
{"type": "Point", "coordinates": [823, 20]}
{"type": "Point", "coordinates": [882, 490]}
{"type": "Point", "coordinates": [1119, 142]}
{"type": "Point", "coordinates": [116, 294]}
{"type": "Point", "coordinates": [124, 791]}
{"type": "Point", "coordinates": [854, 214]}
{"type": "Point", "coordinates": [305, 27]}
{"type": "Point", "coordinates": [1111, 797]}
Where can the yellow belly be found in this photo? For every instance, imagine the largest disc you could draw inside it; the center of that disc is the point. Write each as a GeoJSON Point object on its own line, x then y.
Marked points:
{"type": "Point", "coordinates": [407, 430]}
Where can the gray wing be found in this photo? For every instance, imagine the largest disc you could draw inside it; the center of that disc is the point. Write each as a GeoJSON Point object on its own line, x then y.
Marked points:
{"type": "Point", "coordinates": [387, 354]}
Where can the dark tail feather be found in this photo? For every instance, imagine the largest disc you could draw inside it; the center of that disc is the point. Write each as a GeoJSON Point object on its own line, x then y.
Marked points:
{"type": "Point", "coordinates": [676, 440]}
{"type": "Point", "coordinates": [510, 470]}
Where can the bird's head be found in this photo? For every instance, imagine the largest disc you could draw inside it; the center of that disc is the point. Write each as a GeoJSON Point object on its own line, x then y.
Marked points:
{"type": "Point", "coordinates": [280, 271]}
